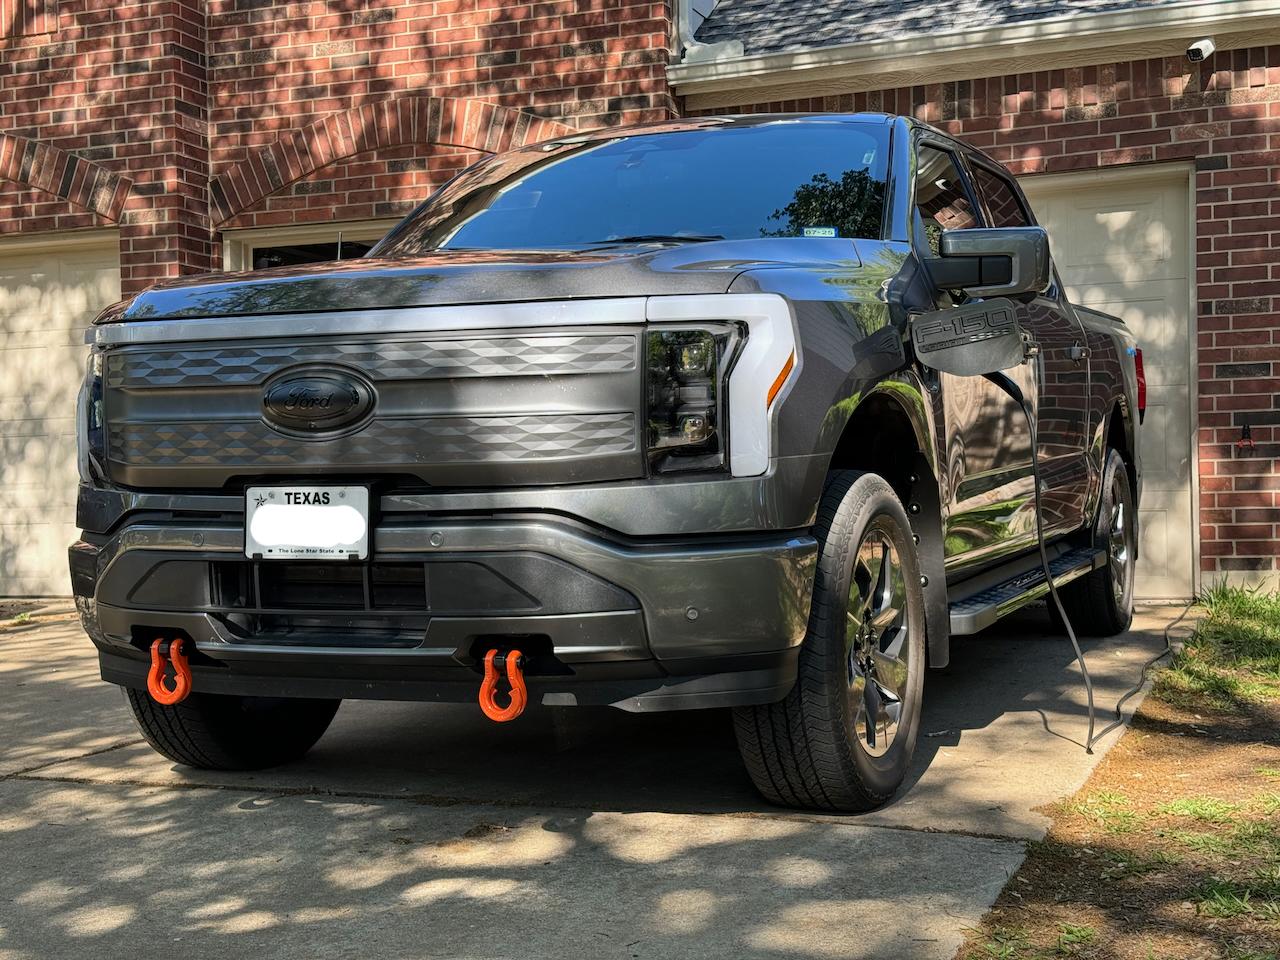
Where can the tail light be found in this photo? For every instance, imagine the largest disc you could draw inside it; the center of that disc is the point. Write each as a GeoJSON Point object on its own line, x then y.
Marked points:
{"type": "Point", "coordinates": [1142, 384]}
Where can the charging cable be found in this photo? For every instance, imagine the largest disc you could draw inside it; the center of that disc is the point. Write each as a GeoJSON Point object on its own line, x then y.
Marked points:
{"type": "Point", "coordinates": [1014, 391]}
{"type": "Point", "coordinates": [1142, 677]}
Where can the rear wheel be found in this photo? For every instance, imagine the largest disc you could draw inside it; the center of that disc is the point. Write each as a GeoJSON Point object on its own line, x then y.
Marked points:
{"type": "Point", "coordinates": [215, 732]}
{"type": "Point", "coordinates": [1100, 604]}
{"type": "Point", "coordinates": [843, 737]}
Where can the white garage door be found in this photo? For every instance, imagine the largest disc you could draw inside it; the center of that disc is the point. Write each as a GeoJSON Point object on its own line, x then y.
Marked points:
{"type": "Point", "coordinates": [47, 299]}
{"type": "Point", "coordinates": [1121, 242]}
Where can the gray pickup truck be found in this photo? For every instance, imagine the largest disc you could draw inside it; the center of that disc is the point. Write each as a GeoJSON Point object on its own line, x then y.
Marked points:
{"type": "Point", "coordinates": [638, 418]}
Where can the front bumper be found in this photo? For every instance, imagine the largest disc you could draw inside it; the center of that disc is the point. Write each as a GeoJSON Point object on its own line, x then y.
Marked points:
{"type": "Point", "coordinates": [694, 622]}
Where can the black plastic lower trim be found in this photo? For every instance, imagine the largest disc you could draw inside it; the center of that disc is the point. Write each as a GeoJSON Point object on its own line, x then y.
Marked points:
{"type": "Point", "coordinates": [634, 686]}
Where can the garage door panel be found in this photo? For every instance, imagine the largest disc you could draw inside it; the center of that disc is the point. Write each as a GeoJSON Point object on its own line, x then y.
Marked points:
{"type": "Point", "coordinates": [53, 366]}
{"type": "Point", "coordinates": [1164, 549]}
{"type": "Point", "coordinates": [1102, 233]}
{"type": "Point", "coordinates": [68, 289]}
{"type": "Point", "coordinates": [1161, 331]}
{"type": "Point", "coordinates": [34, 500]}
{"type": "Point", "coordinates": [27, 547]}
{"type": "Point", "coordinates": [1122, 247]}
{"type": "Point", "coordinates": [1162, 439]}
{"type": "Point", "coordinates": [43, 339]}
{"type": "Point", "coordinates": [46, 303]}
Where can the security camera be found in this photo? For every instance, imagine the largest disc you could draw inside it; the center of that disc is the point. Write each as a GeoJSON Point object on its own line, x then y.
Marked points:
{"type": "Point", "coordinates": [1201, 50]}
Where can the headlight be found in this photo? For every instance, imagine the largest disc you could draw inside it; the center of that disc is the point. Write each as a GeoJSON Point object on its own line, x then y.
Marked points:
{"type": "Point", "coordinates": [753, 370]}
{"type": "Point", "coordinates": [686, 416]}
{"type": "Point", "coordinates": [90, 430]}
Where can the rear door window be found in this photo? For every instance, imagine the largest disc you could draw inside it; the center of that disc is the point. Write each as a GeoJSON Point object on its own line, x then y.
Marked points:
{"type": "Point", "coordinates": [1002, 201]}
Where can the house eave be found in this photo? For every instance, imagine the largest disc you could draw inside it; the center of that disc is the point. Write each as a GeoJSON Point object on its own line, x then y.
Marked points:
{"type": "Point", "coordinates": [1051, 43]}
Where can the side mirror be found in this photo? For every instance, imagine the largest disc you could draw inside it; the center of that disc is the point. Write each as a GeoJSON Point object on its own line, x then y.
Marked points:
{"type": "Point", "coordinates": [970, 340]}
{"type": "Point", "coordinates": [993, 262]}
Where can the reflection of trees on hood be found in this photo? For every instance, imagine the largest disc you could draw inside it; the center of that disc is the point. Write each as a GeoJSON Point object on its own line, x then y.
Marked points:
{"type": "Point", "coordinates": [853, 205]}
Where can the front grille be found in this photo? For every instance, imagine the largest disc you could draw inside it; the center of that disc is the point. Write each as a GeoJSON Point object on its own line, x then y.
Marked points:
{"type": "Point", "coordinates": [320, 586]}
{"type": "Point", "coordinates": [385, 603]}
{"type": "Point", "coordinates": [447, 409]}
{"type": "Point", "coordinates": [205, 366]}
{"type": "Point", "coordinates": [450, 440]}
{"type": "Point", "coordinates": [443, 588]}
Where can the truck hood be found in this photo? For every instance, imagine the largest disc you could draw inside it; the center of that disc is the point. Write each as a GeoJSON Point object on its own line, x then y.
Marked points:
{"type": "Point", "coordinates": [450, 278]}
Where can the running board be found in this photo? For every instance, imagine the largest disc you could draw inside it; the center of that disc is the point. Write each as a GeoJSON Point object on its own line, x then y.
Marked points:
{"type": "Point", "coordinates": [986, 607]}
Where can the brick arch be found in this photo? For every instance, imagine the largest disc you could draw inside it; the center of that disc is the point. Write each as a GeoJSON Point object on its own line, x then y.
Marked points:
{"type": "Point", "coordinates": [473, 124]}
{"type": "Point", "coordinates": [65, 175]}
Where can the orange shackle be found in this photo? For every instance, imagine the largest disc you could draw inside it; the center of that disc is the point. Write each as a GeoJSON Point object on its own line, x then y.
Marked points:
{"type": "Point", "coordinates": [519, 696]}
{"type": "Point", "coordinates": [162, 650]}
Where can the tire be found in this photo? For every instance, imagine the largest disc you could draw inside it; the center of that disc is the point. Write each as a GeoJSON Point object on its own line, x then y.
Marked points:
{"type": "Point", "coordinates": [214, 732]}
{"type": "Point", "coordinates": [1100, 604]}
{"type": "Point", "coordinates": [813, 749]}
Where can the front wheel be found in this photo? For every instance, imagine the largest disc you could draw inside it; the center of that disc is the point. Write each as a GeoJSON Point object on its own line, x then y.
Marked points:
{"type": "Point", "coordinates": [216, 732]}
{"type": "Point", "coordinates": [843, 737]}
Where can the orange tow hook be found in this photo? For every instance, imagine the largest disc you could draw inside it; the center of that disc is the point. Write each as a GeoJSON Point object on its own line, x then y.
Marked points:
{"type": "Point", "coordinates": [513, 663]}
{"type": "Point", "coordinates": [170, 650]}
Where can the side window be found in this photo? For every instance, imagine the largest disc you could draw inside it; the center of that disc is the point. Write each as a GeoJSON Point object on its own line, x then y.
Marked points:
{"type": "Point", "coordinates": [1006, 210]}
{"type": "Point", "coordinates": [941, 201]}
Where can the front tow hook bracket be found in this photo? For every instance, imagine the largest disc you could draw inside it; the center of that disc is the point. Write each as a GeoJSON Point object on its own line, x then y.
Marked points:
{"type": "Point", "coordinates": [164, 653]}
{"type": "Point", "coordinates": [512, 664]}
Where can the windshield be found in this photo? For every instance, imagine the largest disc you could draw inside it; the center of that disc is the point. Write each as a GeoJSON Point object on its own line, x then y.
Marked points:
{"type": "Point", "coordinates": [780, 179]}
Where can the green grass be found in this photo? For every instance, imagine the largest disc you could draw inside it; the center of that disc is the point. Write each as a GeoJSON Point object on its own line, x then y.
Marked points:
{"type": "Point", "coordinates": [1108, 810]}
{"type": "Point", "coordinates": [1257, 897]}
{"type": "Point", "coordinates": [24, 617]}
{"type": "Point", "coordinates": [1250, 839]}
{"type": "Point", "coordinates": [1204, 809]}
{"type": "Point", "coordinates": [1071, 935]}
{"type": "Point", "coordinates": [1268, 803]}
{"type": "Point", "coordinates": [1131, 865]}
{"type": "Point", "coordinates": [1232, 660]}
{"type": "Point", "coordinates": [1006, 943]}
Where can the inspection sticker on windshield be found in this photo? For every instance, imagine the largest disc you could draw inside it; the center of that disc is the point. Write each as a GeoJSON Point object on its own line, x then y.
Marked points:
{"type": "Point", "coordinates": [819, 231]}
{"type": "Point", "coordinates": [306, 523]}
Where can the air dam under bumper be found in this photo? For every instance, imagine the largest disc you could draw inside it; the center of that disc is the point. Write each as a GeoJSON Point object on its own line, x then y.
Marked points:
{"type": "Point", "coordinates": [697, 623]}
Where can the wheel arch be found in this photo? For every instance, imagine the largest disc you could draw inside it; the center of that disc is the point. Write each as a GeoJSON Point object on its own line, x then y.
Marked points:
{"type": "Point", "coordinates": [889, 433]}
{"type": "Point", "coordinates": [1120, 434]}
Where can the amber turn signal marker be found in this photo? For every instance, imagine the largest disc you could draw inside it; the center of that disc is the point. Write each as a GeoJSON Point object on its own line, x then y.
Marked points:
{"type": "Point", "coordinates": [780, 379]}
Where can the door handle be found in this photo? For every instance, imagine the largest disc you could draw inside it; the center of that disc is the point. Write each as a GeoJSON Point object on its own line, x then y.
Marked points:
{"type": "Point", "coordinates": [1078, 353]}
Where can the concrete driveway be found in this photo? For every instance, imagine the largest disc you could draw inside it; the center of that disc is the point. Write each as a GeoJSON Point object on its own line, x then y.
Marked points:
{"type": "Point", "coordinates": [426, 831]}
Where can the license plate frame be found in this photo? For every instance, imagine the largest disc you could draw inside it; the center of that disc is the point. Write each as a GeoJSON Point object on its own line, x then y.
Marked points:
{"type": "Point", "coordinates": [306, 522]}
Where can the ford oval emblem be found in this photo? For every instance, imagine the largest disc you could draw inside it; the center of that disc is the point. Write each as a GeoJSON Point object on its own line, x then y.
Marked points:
{"type": "Point", "coordinates": [316, 401]}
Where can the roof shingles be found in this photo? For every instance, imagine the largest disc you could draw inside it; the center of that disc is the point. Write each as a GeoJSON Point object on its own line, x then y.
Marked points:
{"type": "Point", "coordinates": [773, 26]}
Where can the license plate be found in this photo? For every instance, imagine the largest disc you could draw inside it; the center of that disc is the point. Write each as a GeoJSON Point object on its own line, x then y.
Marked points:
{"type": "Point", "coordinates": [306, 523]}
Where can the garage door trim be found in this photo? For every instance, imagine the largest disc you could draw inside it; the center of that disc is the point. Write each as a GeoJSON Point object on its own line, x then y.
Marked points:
{"type": "Point", "coordinates": [62, 242]}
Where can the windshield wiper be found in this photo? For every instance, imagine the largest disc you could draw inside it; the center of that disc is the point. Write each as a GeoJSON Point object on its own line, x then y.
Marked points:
{"type": "Point", "coordinates": [657, 238]}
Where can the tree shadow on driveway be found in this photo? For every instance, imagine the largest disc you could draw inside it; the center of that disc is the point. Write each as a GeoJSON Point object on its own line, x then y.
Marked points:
{"type": "Point", "coordinates": [1000, 736]}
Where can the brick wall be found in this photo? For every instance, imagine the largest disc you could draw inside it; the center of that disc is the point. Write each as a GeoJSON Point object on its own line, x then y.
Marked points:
{"type": "Point", "coordinates": [1224, 115]}
{"type": "Point", "coordinates": [101, 124]}
{"type": "Point", "coordinates": [282, 67]}
{"type": "Point", "coordinates": [172, 119]}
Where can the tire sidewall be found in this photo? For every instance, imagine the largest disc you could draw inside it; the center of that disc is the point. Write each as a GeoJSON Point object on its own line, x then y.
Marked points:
{"type": "Point", "coordinates": [1122, 612]}
{"type": "Point", "coordinates": [869, 501]}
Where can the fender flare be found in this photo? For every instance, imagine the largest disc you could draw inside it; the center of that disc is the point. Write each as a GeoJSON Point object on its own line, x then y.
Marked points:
{"type": "Point", "coordinates": [922, 499]}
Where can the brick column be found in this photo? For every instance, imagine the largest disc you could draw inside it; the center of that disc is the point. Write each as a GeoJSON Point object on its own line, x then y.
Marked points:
{"type": "Point", "coordinates": [165, 231]}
